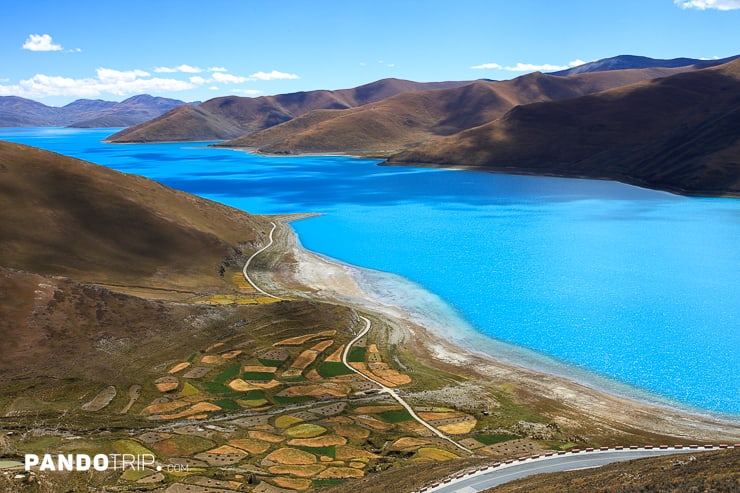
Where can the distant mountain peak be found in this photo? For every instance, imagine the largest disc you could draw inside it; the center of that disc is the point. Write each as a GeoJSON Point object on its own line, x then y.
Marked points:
{"type": "Point", "coordinates": [21, 112]}
{"type": "Point", "coordinates": [624, 62]}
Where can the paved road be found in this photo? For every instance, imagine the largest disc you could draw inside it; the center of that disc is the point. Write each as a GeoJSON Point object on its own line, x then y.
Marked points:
{"type": "Point", "coordinates": [483, 480]}
{"type": "Point", "coordinates": [249, 260]}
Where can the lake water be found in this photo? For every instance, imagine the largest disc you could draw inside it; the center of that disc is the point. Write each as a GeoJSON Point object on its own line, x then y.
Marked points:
{"type": "Point", "coordinates": [625, 288]}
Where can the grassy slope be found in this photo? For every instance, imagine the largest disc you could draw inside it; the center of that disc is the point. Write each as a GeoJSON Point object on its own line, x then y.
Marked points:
{"type": "Point", "coordinates": [63, 216]}
{"type": "Point", "coordinates": [60, 337]}
{"type": "Point", "coordinates": [680, 133]}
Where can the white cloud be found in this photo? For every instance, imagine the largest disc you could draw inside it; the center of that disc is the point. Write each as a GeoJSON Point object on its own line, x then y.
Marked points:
{"type": "Point", "coordinates": [228, 78]}
{"type": "Point", "coordinates": [180, 68]}
{"type": "Point", "coordinates": [484, 66]}
{"type": "Point", "coordinates": [111, 76]}
{"type": "Point", "coordinates": [708, 4]}
{"type": "Point", "coordinates": [528, 67]}
{"type": "Point", "coordinates": [107, 81]}
{"type": "Point", "coordinates": [40, 42]}
{"type": "Point", "coordinates": [274, 75]}
{"type": "Point", "coordinates": [128, 82]}
{"type": "Point", "coordinates": [189, 70]}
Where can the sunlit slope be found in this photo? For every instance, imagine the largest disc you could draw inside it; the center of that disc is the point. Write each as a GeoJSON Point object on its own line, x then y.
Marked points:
{"type": "Point", "coordinates": [63, 216]}
{"type": "Point", "coordinates": [679, 133]}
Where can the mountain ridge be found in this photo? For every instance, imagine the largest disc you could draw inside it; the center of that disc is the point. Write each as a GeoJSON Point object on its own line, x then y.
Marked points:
{"type": "Point", "coordinates": [621, 62]}
{"type": "Point", "coordinates": [228, 117]}
{"type": "Point", "coordinates": [16, 111]}
{"type": "Point", "coordinates": [64, 217]}
{"type": "Point", "coordinates": [407, 119]}
{"type": "Point", "coordinates": [679, 133]}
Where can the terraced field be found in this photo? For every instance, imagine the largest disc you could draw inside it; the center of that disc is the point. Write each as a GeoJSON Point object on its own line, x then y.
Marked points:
{"type": "Point", "coordinates": [285, 417]}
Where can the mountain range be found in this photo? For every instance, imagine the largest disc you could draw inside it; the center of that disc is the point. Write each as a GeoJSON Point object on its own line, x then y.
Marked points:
{"type": "Point", "coordinates": [391, 125]}
{"type": "Point", "coordinates": [232, 116]}
{"type": "Point", "coordinates": [679, 133]}
{"type": "Point", "coordinates": [665, 124]}
{"type": "Point", "coordinates": [84, 113]}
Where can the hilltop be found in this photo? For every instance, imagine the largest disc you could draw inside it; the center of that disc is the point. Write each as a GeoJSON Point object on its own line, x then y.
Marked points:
{"type": "Point", "coordinates": [232, 116]}
{"type": "Point", "coordinates": [678, 133]}
{"type": "Point", "coordinates": [63, 216]}
{"type": "Point", "coordinates": [83, 113]}
{"type": "Point", "coordinates": [621, 62]}
{"type": "Point", "coordinates": [388, 126]}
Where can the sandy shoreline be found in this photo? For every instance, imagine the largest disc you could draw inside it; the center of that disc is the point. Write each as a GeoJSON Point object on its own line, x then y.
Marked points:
{"type": "Point", "coordinates": [308, 274]}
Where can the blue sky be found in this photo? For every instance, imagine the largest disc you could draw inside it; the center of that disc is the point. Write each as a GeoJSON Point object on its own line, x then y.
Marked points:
{"type": "Point", "coordinates": [59, 51]}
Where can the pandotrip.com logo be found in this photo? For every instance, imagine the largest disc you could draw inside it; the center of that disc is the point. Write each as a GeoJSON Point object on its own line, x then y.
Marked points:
{"type": "Point", "coordinates": [99, 462]}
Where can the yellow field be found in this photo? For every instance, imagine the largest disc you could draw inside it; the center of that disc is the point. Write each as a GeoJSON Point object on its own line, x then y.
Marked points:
{"type": "Point", "coordinates": [241, 385]}
{"type": "Point", "coordinates": [232, 354]}
{"type": "Point", "coordinates": [373, 423]}
{"type": "Point", "coordinates": [293, 483]}
{"type": "Point", "coordinates": [291, 456]}
{"type": "Point", "coordinates": [323, 345]}
{"type": "Point", "coordinates": [307, 471]}
{"type": "Point", "coordinates": [259, 368]}
{"type": "Point", "coordinates": [251, 445]}
{"type": "Point", "coordinates": [353, 432]}
{"type": "Point", "coordinates": [196, 409]}
{"type": "Point", "coordinates": [341, 472]}
{"type": "Point", "coordinates": [304, 359]}
{"type": "Point", "coordinates": [300, 340]}
{"type": "Point", "coordinates": [376, 409]}
{"type": "Point", "coordinates": [323, 441]}
{"type": "Point", "coordinates": [409, 442]}
{"type": "Point", "coordinates": [166, 407]}
{"type": "Point", "coordinates": [178, 367]}
{"type": "Point", "coordinates": [286, 421]}
{"type": "Point", "coordinates": [435, 454]}
{"type": "Point", "coordinates": [460, 428]}
{"type": "Point", "coordinates": [305, 430]}
{"type": "Point", "coordinates": [267, 437]}
{"type": "Point", "coordinates": [226, 450]}
{"type": "Point", "coordinates": [348, 452]}
{"type": "Point", "coordinates": [336, 356]}
{"type": "Point", "coordinates": [433, 416]}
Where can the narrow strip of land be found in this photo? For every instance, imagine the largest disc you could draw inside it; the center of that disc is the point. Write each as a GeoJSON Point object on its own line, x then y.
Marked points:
{"type": "Point", "coordinates": [391, 391]}
{"type": "Point", "coordinates": [249, 260]}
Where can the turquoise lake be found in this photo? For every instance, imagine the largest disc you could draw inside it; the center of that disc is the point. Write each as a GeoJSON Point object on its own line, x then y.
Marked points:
{"type": "Point", "coordinates": [600, 278]}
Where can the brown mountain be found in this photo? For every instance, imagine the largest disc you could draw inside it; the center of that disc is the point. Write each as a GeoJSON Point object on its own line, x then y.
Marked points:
{"type": "Point", "coordinates": [63, 216]}
{"type": "Point", "coordinates": [76, 240]}
{"type": "Point", "coordinates": [233, 116]}
{"type": "Point", "coordinates": [21, 112]}
{"type": "Point", "coordinates": [679, 133]}
{"type": "Point", "coordinates": [392, 124]}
